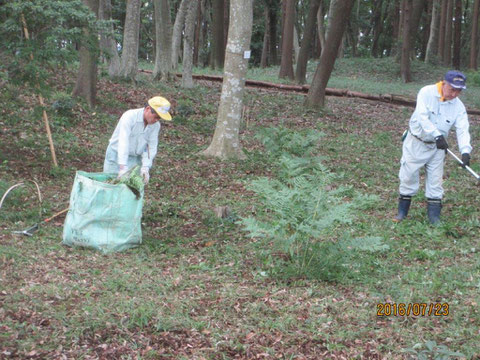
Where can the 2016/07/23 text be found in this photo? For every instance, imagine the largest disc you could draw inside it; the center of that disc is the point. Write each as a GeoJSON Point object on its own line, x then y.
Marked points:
{"type": "Point", "coordinates": [415, 309]}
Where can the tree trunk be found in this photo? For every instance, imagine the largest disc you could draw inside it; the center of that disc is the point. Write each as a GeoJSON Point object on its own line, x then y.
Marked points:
{"type": "Point", "coordinates": [447, 50]}
{"type": "Point", "coordinates": [377, 26]}
{"type": "Point", "coordinates": [432, 46]}
{"type": "Point", "coordinates": [396, 25]}
{"type": "Point", "coordinates": [457, 40]}
{"type": "Point", "coordinates": [474, 36]}
{"type": "Point", "coordinates": [286, 64]}
{"type": "Point", "coordinates": [198, 32]}
{"type": "Point", "coordinates": [321, 26]}
{"type": "Point", "coordinates": [86, 83]}
{"type": "Point", "coordinates": [307, 42]}
{"type": "Point", "coordinates": [425, 30]}
{"type": "Point", "coordinates": [163, 38]}
{"type": "Point", "coordinates": [296, 44]}
{"type": "Point", "coordinates": [188, 39]}
{"type": "Point", "coordinates": [218, 33]}
{"type": "Point", "coordinates": [177, 32]}
{"type": "Point", "coordinates": [108, 44]}
{"type": "Point", "coordinates": [405, 60]}
{"type": "Point", "coordinates": [266, 39]}
{"type": "Point", "coordinates": [225, 143]}
{"type": "Point", "coordinates": [441, 34]}
{"type": "Point", "coordinates": [338, 15]}
{"type": "Point", "coordinates": [416, 14]}
{"type": "Point", "coordinates": [272, 8]}
{"type": "Point", "coordinates": [129, 61]}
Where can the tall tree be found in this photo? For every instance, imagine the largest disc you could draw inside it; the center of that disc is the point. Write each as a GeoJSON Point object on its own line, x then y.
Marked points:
{"type": "Point", "coordinates": [377, 26]}
{"type": "Point", "coordinates": [225, 143]}
{"type": "Point", "coordinates": [108, 44]}
{"type": "Point", "coordinates": [405, 56]}
{"type": "Point", "coordinates": [443, 28]}
{"type": "Point", "coordinates": [418, 6]}
{"type": "Point", "coordinates": [129, 60]}
{"type": "Point", "coordinates": [432, 46]}
{"type": "Point", "coordinates": [307, 40]}
{"type": "Point", "coordinates": [474, 36]}
{"type": "Point", "coordinates": [86, 84]}
{"type": "Point", "coordinates": [286, 62]}
{"type": "Point", "coordinates": [272, 8]}
{"type": "Point", "coordinates": [163, 40]}
{"type": "Point", "coordinates": [177, 32]}
{"type": "Point", "coordinates": [264, 60]}
{"type": "Point", "coordinates": [447, 50]}
{"type": "Point", "coordinates": [321, 26]}
{"type": "Point", "coordinates": [188, 40]}
{"type": "Point", "coordinates": [457, 39]}
{"type": "Point", "coordinates": [218, 33]}
{"type": "Point", "coordinates": [338, 15]}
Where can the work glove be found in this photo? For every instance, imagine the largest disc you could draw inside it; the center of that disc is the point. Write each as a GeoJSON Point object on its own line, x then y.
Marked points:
{"type": "Point", "coordinates": [123, 170]}
{"type": "Point", "coordinates": [466, 159]}
{"type": "Point", "coordinates": [145, 172]}
{"type": "Point", "coordinates": [441, 143]}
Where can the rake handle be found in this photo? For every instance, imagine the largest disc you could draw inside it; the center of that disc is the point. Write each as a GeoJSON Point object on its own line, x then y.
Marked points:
{"type": "Point", "coordinates": [470, 170]}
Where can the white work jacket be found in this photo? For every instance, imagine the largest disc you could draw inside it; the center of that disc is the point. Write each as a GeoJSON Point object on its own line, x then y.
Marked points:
{"type": "Point", "coordinates": [132, 138]}
{"type": "Point", "coordinates": [433, 118]}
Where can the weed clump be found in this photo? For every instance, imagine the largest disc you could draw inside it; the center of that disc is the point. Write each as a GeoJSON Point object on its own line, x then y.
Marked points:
{"type": "Point", "coordinates": [304, 213]}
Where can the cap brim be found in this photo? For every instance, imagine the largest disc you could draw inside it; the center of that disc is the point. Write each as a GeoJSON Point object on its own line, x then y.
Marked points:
{"type": "Point", "coordinates": [166, 116]}
{"type": "Point", "coordinates": [463, 87]}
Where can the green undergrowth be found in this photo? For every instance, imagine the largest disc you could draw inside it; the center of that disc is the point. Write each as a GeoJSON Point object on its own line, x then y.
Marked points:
{"type": "Point", "coordinates": [318, 190]}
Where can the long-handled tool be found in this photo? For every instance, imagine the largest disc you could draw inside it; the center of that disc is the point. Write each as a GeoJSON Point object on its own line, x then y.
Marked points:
{"type": "Point", "coordinates": [32, 229]}
{"type": "Point", "coordinates": [470, 170]}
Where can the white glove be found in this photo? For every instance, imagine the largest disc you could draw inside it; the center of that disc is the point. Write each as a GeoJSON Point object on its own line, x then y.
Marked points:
{"type": "Point", "coordinates": [145, 172]}
{"type": "Point", "coordinates": [123, 170]}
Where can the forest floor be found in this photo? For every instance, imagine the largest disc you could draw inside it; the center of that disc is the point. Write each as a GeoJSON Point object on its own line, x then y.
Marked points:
{"type": "Point", "coordinates": [199, 287]}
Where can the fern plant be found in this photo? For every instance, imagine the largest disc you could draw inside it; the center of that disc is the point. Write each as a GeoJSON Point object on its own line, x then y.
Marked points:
{"type": "Point", "coordinates": [303, 210]}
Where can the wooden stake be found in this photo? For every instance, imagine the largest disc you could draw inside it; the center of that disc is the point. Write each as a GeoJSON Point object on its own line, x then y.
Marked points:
{"type": "Point", "coordinates": [42, 103]}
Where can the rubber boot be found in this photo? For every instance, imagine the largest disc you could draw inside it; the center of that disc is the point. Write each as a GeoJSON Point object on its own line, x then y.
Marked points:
{"type": "Point", "coordinates": [434, 207]}
{"type": "Point", "coordinates": [403, 207]}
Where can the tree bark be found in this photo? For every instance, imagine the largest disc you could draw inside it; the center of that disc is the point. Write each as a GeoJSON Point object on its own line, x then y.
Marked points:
{"type": "Point", "coordinates": [432, 46]}
{"type": "Point", "coordinates": [85, 86]}
{"type": "Point", "coordinates": [177, 32]}
{"type": "Point", "coordinates": [129, 60]}
{"type": "Point", "coordinates": [108, 44]}
{"type": "Point", "coordinates": [474, 36]}
{"type": "Point", "coordinates": [307, 42]}
{"type": "Point", "coordinates": [338, 15]}
{"type": "Point", "coordinates": [188, 40]}
{"type": "Point", "coordinates": [272, 8]}
{"type": "Point", "coordinates": [457, 39]}
{"type": "Point", "coordinates": [266, 39]}
{"type": "Point", "coordinates": [447, 50]}
{"type": "Point", "coordinates": [198, 31]}
{"type": "Point", "coordinates": [163, 38]}
{"type": "Point", "coordinates": [416, 14]}
{"type": "Point", "coordinates": [405, 60]}
{"type": "Point", "coordinates": [321, 26]}
{"type": "Point", "coordinates": [218, 34]}
{"type": "Point", "coordinates": [225, 143]}
{"type": "Point", "coordinates": [286, 63]}
{"type": "Point", "coordinates": [377, 26]}
{"type": "Point", "coordinates": [443, 27]}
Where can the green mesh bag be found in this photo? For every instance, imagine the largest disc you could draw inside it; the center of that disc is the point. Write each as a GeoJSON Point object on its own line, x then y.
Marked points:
{"type": "Point", "coordinates": [103, 216]}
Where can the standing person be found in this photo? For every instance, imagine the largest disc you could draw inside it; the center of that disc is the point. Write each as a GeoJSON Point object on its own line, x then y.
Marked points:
{"type": "Point", "coordinates": [438, 109]}
{"type": "Point", "coordinates": [135, 138]}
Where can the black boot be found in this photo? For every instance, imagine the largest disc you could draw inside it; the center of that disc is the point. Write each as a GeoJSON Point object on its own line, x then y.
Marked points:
{"type": "Point", "coordinates": [434, 208]}
{"type": "Point", "coordinates": [403, 207]}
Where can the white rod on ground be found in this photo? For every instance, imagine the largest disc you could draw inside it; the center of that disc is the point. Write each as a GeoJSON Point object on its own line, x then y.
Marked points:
{"type": "Point", "coordinates": [470, 170]}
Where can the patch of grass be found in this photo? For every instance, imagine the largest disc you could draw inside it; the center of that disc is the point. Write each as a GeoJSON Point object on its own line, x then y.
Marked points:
{"type": "Point", "coordinates": [197, 279]}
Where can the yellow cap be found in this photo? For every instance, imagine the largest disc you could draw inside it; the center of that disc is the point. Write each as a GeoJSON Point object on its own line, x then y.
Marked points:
{"type": "Point", "coordinates": [161, 107]}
